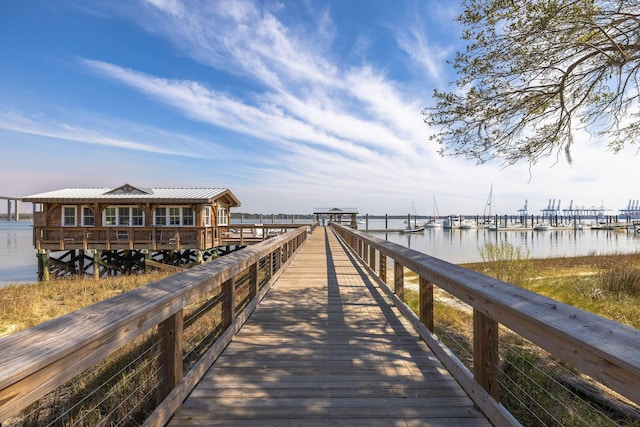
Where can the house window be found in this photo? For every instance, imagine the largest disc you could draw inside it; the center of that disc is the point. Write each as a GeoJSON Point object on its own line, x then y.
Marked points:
{"type": "Point", "coordinates": [110, 216]}
{"type": "Point", "coordinates": [187, 216]}
{"type": "Point", "coordinates": [174, 216]}
{"type": "Point", "coordinates": [137, 217]}
{"type": "Point", "coordinates": [123, 216]}
{"type": "Point", "coordinates": [69, 216]}
{"type": "Point", "coordinates": [207, 216]}
{"type": "Point", "coordinates": [222, 216]}
{"type": "Point", "coordinates": [161, 216]}
{"type": "Point", "coordinates": [88, 217]}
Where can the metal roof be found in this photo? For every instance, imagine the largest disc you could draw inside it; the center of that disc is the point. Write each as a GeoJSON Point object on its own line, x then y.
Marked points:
{"type": "Point", "coordinates": [131, 193]}
{"type": "Point", "coordinates": [345, 211]}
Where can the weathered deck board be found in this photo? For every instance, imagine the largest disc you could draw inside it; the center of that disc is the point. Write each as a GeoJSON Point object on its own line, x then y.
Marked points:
{"type": "Point", "coordinates": [321, 349]}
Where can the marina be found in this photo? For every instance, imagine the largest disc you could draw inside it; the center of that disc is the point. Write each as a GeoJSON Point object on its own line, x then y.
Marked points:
{"type": "Point", "coordinates": [19, 262]}
{"type": "Point", "coordinates": [129, 228]}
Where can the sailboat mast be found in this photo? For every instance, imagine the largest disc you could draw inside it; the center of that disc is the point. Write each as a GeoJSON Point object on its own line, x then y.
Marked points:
{"type": "Point", "coordinates": [489, 202]}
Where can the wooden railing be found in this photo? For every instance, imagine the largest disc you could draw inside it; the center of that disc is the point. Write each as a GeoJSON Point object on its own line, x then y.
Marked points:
{"type": "Point", "coordinates": [243, 234]}
{"type": "Point", "coordinates": [605, 350]}
{"type": "Point", "coordinates": [116, 237]}
{"type": "Point", "coordinates": [38, 360]}
{"type": "Point", "coordinates": [155, 238]}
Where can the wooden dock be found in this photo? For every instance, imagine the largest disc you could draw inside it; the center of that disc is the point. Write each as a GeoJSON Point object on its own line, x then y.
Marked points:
{"type": "Point", "coordinates": [325, 348]}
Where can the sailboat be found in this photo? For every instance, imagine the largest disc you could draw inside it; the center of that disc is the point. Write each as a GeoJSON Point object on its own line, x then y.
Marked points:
{"type": "Point", "coordinates": [415, 227]}
{"type": "Point", "coordinates": [488, 219]}
{"type": "Point", "coordinates": [434, 222]}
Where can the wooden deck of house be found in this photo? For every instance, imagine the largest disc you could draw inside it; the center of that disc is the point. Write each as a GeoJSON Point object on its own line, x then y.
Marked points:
{"type": "Point", "coordinates": [339, 355]}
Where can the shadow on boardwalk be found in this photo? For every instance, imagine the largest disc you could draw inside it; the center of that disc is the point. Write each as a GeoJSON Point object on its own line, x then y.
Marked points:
{"type": "Point", "coordinates": [326, 348]}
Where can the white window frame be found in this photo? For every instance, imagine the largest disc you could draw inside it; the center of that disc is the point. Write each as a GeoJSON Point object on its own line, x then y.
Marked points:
{"type": "Point", "coordinates": [117, 215]}
{"type": "Point", "coordinates": [65, 216]}
{"type": "Point", "coordinates": [164, 216]}
{"type": "Point", "coordinates": [123, 220]}
{"type": "Point", "coordinates": [113, 213]}
{"type": "Point", "coordinates": [184, 216]}
{"type": "Point", "coordinates": [175, 213]}
{"type": "Point", "coordinates": [207, 216]}
{"type": "Point", "coordinates": [223, 218]}
{"type": "Point", "coordinates": [84, 216]}
{"type": "Point", "coordinates": [136, 218]}
{"type": "Point", "coordinates": [175, 216]}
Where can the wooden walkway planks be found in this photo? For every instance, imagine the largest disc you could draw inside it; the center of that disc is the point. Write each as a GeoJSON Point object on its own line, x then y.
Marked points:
{"type": "Point", "coordinates": [324, 348]}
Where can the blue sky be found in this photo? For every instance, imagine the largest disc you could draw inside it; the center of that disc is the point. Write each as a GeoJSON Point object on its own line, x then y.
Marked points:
{"type": "Point", "coordinates": [290, 104]}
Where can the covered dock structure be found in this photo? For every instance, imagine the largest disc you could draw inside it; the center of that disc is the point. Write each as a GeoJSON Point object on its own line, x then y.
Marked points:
{"type": "Point", "coordinates": [342, 216]}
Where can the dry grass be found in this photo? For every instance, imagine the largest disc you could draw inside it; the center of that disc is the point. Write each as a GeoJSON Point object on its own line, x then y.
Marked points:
{"type": "Point", "coordinates": [25, 305]}
{"type": "Point", "coordinates": [605, 285]}
{"type": "Point", "coordinates": [608, 286]}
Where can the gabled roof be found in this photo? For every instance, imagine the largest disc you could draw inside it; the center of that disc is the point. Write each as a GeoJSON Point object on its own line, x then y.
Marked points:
{"type": "Point", "coordinates": [130, 189]}
{"type": "Point", "coordinates": [131, 193]}
{"type": "Point", "coordinates": [346, 211]}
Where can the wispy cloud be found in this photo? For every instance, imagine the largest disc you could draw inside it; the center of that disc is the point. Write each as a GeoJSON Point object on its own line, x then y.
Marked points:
{"type": "Point", "coordinates": [318, 116]}
{"type": "Point", "coordinates": [305, 97]}
{"type": "Point", "coordinates": [72, 131]}
{"type": "Point", "coordinates": [18, 123]}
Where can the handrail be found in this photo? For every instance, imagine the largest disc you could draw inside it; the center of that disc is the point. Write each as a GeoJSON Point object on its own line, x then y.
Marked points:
{"type": "Point", "coordinates": [38, 360]}
{"type": "Point", "coordinates": [601, 348]}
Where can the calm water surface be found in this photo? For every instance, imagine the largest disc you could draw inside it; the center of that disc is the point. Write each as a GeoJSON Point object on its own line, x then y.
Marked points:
{"type": "Point", "coordinates": [18, 262]}
{"type": "Point", "coordinates": [460, 246]}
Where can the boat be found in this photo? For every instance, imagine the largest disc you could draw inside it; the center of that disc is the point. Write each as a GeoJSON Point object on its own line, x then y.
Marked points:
{"type": "Point", "coordinates": [415, 227]}
{"type": "Point", "coordinates": [467, 225]}
{"type": "Point", "coordinates": [452, 222]}
{"type": "Point", "coordinates": [488, 219]}
{"type": "Point", "coordinates": [435, 222]}
{"type": "Point", "coordinates": [542, 227]}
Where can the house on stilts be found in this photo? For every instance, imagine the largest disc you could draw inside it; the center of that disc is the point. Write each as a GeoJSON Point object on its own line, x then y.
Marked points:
{"type": "Point", "coordinates": [106, 231]}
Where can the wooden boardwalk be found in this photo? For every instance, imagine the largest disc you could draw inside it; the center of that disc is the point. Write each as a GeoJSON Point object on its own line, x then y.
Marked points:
{"type": "Point", "coordinates": [324, 348]}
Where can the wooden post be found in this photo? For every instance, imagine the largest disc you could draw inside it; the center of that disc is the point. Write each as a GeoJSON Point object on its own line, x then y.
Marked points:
{"type": "Point", "coordinates": [382, 272]}
{"type": "Point", "coordinates": [45, 263]}
{"type": "Point", "coordinates": [372, 257]}
{"type": "Point", "coordinates": [270, 261]}
{"type": "Point", "coordinates": [96, 264]}
{"type": "Point", "coordinates": [398, 279]}
{"type": "Point", "coordinates": [278, 254]}
{"type": "Point", "coordinates": [426, 303]}
{"type": "Point", "coordinates": [485, 353]}
{"type": "Point", "coordinates": [81, 261]}
{"type": "Point", "coordinates": [253, 282]}
{"type": "Point", "coordinates": [170, 334]}
{"type": "Point", "coordinates": [228, 302]}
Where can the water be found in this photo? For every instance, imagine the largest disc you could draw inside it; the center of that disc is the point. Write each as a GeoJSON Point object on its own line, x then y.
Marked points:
{"type": "Point", "coordinates": [460, 246]}
{"type": "Point", "coordinates": [18, 262]}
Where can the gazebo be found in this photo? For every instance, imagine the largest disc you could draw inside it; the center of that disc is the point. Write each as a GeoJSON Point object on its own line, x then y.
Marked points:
{"type": "Point", "coordinates": [343, 216]}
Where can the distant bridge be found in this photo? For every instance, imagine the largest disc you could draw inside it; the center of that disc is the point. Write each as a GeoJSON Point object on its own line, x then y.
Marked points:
{"type": "Point", "coordinates": [16, 200]}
